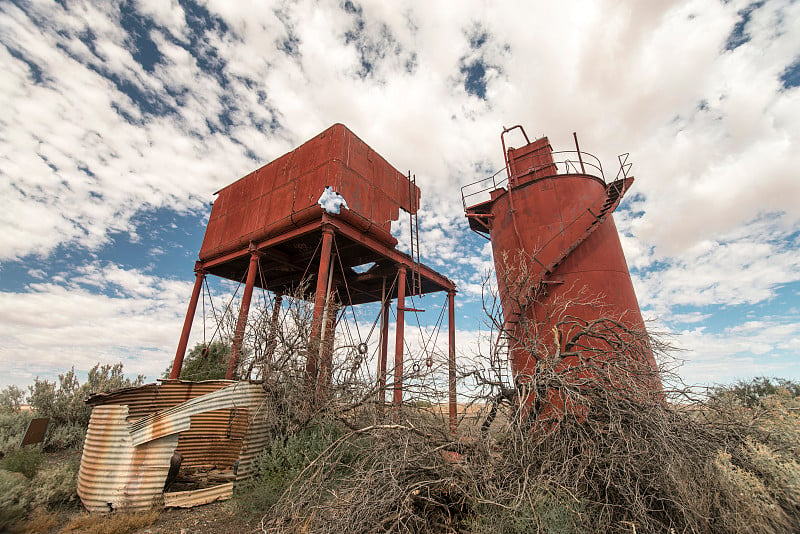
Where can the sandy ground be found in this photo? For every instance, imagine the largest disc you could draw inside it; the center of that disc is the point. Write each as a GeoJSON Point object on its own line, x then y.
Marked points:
{"type": "Point", "coordinates": [215, 517]}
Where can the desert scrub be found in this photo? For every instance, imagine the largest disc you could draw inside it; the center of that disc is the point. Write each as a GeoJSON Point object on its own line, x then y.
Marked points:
{"type": "Point", "coordinates": [744, 503]}
{"type": "Point", "coordinates": [547, 511]}
{"type": "Point", "coordinates": [55, 485]}
{"type": "Point", "coordinates": [14, 498]}
{"type": "Point", "coordinates": [25, 460]}
{"type": "Point", "coordinates": [66, 436]}
{"type": "Point", "coordinates": [779, 472]}
{"type": "Point", "coordinates": [63, 402]}
{"type": "Point", "coordinates": [114, 523]}
{"type": "Point", "coordinates": [51, 486]}
{"type": "Point", "coordinates": [283, 462]}
{"type": "Point", "coordinates": [12, 428]}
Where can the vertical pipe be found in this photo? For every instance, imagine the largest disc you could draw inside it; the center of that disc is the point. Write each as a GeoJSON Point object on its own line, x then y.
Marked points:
{"type": "Point", "coordinates": [326, 311]}
{"type": "Point", "coordinates": [244, 309]}
{"type": "Point", "coordinates": [273, 328]}
{"type": "Point", "coordinates": [451, 360]}
{"type": "Point", "coordinates": [578, 149]}
{"type": "Point", "coordinates": [177, 364]}
{"type": "Point", "coordinates": [384, 345]}
{"type": "Point", "coordinates": [397, 397]}
{"type": "Point", "coordinates": [327, 337]}
{"type": "Point", "coordinates": [319, 303]}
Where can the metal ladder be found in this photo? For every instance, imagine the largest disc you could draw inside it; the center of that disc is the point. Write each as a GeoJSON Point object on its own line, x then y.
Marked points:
{"type": "Point", "coordinates": [416, 280]}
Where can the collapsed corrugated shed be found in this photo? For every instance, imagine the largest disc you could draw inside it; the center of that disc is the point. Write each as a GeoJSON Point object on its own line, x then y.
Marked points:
{"type": "Point", "coordinates": [134, 433]}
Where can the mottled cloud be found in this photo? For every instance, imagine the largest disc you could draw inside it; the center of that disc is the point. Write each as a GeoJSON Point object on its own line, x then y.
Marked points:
{"type": "Point", "coordinates": [112, 111]}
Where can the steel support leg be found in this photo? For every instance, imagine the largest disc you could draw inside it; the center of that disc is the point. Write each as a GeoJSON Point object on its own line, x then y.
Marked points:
{"type": "Point", "coordinates": [384, 349]}
{"type": "Point", "coordinates": [397, 397]}
{"type": "Point", "coordinates": [327, 345]}
{"type": "Point", "coordinates": [177, 364]}
{"type": "Point", "coordinates": [319, 304]}
{"type": "Point", "coordinates": [244, 310]}
{"type": "Point", "coordinates": [273, 328]}
{"type": "Point", "coordinates": [451, 361]}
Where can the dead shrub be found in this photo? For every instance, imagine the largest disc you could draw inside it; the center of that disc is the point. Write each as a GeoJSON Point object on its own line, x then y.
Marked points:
{"type": "Point", "coordinates": [591, 446]}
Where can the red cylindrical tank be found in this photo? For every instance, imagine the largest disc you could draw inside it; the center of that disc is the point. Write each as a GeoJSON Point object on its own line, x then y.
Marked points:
{"type": "Point", "coordinates": [558, 258]}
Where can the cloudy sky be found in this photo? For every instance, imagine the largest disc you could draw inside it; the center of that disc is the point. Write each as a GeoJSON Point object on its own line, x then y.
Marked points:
{"type": "Point", "coordinates": [120, 119]}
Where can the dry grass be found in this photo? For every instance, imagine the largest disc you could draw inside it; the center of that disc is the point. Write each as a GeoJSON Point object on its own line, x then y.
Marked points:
{"type": "Point", "coordinates": [115, 523]}
{"type": "Point", "coordinates": [41, 521]}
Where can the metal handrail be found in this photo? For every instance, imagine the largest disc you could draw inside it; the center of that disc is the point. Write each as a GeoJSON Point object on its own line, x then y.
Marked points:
{"type": "Point", "coordinates": [564, 161]}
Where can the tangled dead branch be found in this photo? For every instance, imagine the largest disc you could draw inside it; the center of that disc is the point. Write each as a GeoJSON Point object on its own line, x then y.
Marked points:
{"type": "Point", "coordinates": [602, 451]}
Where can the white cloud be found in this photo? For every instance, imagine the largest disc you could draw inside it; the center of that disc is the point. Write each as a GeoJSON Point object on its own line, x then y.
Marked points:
{"type": "Point", "coordinates": [712, 132]}
{"type": "Point", "coordinates": [49, 326]}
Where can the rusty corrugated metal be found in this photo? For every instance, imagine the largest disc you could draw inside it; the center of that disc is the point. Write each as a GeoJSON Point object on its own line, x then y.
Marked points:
{"type": "Point", "coordinates": [125, 462]}
{"type": "Point", "coordinates": [115, 474]}
{"type": "Point", "coordinates": [188, 499]}
{"type": "Point", "coordinates": [214, 438]}
{"type": "Point", "coordinates": [178, 418]}
{"type": "Point", "coordinates": [151, 398]}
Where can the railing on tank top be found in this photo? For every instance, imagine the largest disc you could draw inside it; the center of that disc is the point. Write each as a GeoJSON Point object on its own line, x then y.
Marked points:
{"type": "Point", "coordinates": [564, 161]}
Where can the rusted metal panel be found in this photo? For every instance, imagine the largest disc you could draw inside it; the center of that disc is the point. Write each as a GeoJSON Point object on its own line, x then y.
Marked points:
{"type": "Point", "coordinates": [188, 499]}
{"type": "Point", "coordinates": [263, 203]}
{"type": "Point", "coordinates": [532, 161]}
{"type": "Point", "coordinates": [214, 438]}
{"type": "Point", "coordinates": [35, 432]}
{"type": "Point", "coordinates": [178, 418]}
{"type": "Point", "coordinates": [126, 461]}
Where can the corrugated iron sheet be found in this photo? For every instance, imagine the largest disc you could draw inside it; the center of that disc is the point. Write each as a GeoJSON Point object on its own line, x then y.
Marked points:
{"type": "Point", "coordinates": [187, 499]}
{"type": "Point", "coordinates": [115, 474]}
{"type": "Point", "coordinates": [151, 398]}
{"type": "Point", "coordinates": [178, 418]}
{"type": "Point", "coordinates": [125, 461]}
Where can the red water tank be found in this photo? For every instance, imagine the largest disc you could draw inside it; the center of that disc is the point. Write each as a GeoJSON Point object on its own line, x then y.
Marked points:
{"type": "Point", "coordinates": [558, 258]}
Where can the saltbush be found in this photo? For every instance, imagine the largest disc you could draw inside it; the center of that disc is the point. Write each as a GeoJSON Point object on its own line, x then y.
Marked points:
{"type": "Point", "coordinates": [12, 428]}
{"type": "Point", "coordinates": [52, 486]}
{"type": "Point", "coordinates": [549, 512]}
{"type": "Point", "coordinates": [284, 461]}
{"type": "Point", "coordinates": [69, 436]}
{"type": "Point", "coordinates": [25, 460]}
{"type": "Point", "coordinates": [64, 403]}
{"type": "Point", "coordinates": [55, 485]}
{"type": "Point", "coordinates": [14, 498]}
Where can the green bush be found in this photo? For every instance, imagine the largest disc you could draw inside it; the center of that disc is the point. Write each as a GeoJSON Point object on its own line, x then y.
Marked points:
{"type": "Point", "coordinates": [754, 392]}
{"type": "Point", "coordinates": [204, 363]}
{"type": "Point", "coordinates": [11, 398]}
{"type": "Point", "coordinates": [64, 403]}
{"type": "Point", "coordinates": [55, 485]}
{"type": "Point", "coordinates": [550, 513]}
{"type": "Point", "coordinates": [68, 436]}
{"type": "Point", "coordinates": [25, 460]}
{"type": "Point", "coordinates": [282, 462]}
{"type": "Point", "coordinates": [12, 428]}
{"type": "Point", "coordinates": [14, 498]}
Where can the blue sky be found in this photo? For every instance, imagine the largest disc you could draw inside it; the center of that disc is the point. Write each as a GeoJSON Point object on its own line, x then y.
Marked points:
{"type": "Point", "coordinates": [121, 119]}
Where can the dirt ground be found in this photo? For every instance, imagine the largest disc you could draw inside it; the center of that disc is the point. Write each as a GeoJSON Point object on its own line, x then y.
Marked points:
{"type": "Point", "coordinates": [216, 517]}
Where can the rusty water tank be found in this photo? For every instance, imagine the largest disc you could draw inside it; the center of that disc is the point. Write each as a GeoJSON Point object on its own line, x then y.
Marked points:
{"type": "Point", "coordinates": [558, 258]}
